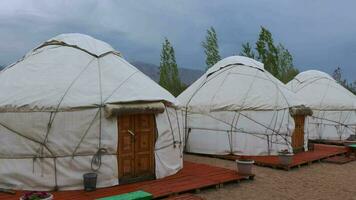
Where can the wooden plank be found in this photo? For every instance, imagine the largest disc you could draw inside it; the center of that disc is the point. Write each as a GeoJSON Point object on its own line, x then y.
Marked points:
{"type": "Point", "coordinates": [193, 176]}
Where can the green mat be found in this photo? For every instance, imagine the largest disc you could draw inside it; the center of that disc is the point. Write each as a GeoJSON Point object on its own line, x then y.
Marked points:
{"type": "Point", "coordinates": [138, 195]}
{"type": "Point", "coordinates": [352, 145]}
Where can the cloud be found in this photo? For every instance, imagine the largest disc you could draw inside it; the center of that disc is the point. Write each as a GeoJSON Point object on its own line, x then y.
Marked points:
{"type": "Point", "coordinates": [319, 33]}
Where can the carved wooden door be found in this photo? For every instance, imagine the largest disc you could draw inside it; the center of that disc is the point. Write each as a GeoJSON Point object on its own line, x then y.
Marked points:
{"type": "Point", "coordinates": [136, 147]}
{"type": "Point", "coordinates": [298, 135]}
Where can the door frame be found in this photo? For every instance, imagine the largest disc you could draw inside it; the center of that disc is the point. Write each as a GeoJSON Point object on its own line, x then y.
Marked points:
{"type": "Point", "coordinates": [133, 119]}
{"type": "Point", "coordinates": [296, 139]}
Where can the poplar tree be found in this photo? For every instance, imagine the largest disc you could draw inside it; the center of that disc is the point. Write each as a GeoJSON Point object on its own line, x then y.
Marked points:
{"type": "Point", "coordinates": [276, 58]}
{"type": "Point", "coordinates": [169, 75]}
{"type": "Point", "coordinates": [211, 48]}
{"type": "Point", "coordinates": [267, 52]}
{"type": "Point", "coordinates": [247, 51]}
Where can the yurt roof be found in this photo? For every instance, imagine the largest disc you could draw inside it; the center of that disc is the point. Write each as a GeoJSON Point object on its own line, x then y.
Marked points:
{"type": "Point", "coordinates": [74, 71]}
{"type": "Point", "coordinates": [238, 83]}
{"type": "Point", "coordinates": [321, 92]}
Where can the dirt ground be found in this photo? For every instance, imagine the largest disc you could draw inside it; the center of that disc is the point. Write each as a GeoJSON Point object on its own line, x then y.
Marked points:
{"type": "Point", "coordinates": [317, 181]}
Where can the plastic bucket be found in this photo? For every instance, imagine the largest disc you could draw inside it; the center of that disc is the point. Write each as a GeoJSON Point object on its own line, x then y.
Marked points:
{"type": "Point", "coordinates": [89, 181]}
{"type": "Point", "coordinates": [244, 166]}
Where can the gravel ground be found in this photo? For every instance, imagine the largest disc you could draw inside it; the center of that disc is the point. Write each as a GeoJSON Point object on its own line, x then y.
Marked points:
{"type": "Point", "coordinates": [318, 181]}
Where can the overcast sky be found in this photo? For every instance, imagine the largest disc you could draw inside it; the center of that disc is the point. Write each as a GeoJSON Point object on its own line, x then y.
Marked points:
{"type": "Point", "coordinates": [321, 34]}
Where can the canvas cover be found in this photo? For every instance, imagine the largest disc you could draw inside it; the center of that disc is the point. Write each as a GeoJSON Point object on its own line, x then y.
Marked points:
{"type": "Point", "coordinates": [53, 127]}
{"type": "Point", "coordinates": [334, 107]}
{"type": "Point", "coordinates": [238, 107]}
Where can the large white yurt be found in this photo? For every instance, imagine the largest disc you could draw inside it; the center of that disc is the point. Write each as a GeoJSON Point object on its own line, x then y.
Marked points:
{"type": "Point", "coordinates": [334, 107]}
{"type": "Point", "coordinates": [237, 107]}
{"type": "Point", "coordinates": [73, 105]}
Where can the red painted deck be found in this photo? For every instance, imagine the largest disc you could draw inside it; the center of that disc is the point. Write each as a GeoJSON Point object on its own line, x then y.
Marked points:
{"type": "Point", "coordinates": [320, 152]}
{"type": "Point", "coordinates": [339, 159]}
{"type": "Point", "coordinates": [192, 176]}
{"type": "Point", "coordinates": [185, 197]}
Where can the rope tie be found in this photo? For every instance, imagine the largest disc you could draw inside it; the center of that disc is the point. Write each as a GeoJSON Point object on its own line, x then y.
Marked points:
{"type": "Point", "coordinates": [96, 160]}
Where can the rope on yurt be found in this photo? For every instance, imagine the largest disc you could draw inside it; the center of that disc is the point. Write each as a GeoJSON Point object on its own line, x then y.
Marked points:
{"type": "Point", "coordinates": [26, 137]}
{"type": "Point", "coordinates": [286, 101]}
{"type": "Point", "coordinates": [97, 157]}
{"type": "Point", "coordinates": [52, 117]}
{"type": "Point", "coordinates": [257, 135]}
{"type": "Point", "coordinates": [316, 79]}
{"type": "Point", "coordinates": [274, 131]}
{"type": "Point", "coordinates": [234, 124]}
{"type": "Point", "coordinates": [119, 86]}
{"type": "Point", "coordinates": [61, 43]}
{"type": "Point", "coordinates": [275, 112]}
{"type": "Point", "coordinates": [40, 150]}
{"type": "Point", "coordinates": [320, 104]}
{"type": "Point", "coordinates": [170, 125]}
{"type": "Point", "coordinates": [268, 146]}
{"type": "Point", "coordinates": [339, 128]}
{"type": "Point", "coordinates": [186, 129]}
{"type": "Point", "coordinates": [55, 174]}
{"type": "Point", "coordinates": [180, 136]}
{"type": "Point", "coordinates": [229, 134]}
{"type": "Point", "coordinates": [86, 132]}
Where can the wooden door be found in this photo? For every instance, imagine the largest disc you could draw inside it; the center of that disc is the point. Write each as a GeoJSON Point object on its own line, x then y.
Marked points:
{"type": "Point", "coordinates": [136, 148]}
{"type": "Point", "coordinates": [298, 135]}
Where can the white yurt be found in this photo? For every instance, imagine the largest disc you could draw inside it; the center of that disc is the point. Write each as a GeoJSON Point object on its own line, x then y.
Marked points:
{"type": "Point", "coordinates": [237, 107]}
{"type": "Point", "coordinates": [73, 105]}
{"type": "Point", "coordinates": [334, 107]}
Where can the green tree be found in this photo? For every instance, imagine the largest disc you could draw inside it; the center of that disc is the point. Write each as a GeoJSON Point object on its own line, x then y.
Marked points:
{"type": "Point", "coordinates": [337, 75]}
{"type": "Point", "coordinates": [276, 58]}
{"type": "Point", "coordinates": [169, 75]}
{"type": "Point", "coordinates": [286, 70]}
{"type": "Point", "coordinates": [211, 48]}
{"type": "Point", "coordinates": [247, 51]}
{"type": "Point", "coordinates": [267, 51]}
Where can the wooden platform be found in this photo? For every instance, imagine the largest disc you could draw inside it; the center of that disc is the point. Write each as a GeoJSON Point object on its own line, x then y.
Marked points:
{"type": "Point", "coordinates": [192, 177]}
{"type": "Point", "coordinates": [339, 159]}
{"type": "Point", "coordinates": [328, 142]}
{"type": "Point", "coordinates": [320, 152]}
{"type": "Point", "coordinates": [185, 197]}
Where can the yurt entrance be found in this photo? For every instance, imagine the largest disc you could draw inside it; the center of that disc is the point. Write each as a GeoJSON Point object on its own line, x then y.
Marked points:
{"type": "Point", "coordinates": [299, 114]}
{"type": "Point", "coordinates": [298, 135]}
{"type": "Point", "coordinates": [136, 141]}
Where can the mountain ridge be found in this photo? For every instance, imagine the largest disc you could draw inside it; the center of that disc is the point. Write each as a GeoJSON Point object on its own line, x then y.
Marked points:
{"type": "Point", "coordinates": [187, 76]}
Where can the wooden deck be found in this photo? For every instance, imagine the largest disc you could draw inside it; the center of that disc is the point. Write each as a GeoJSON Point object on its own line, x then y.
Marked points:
{"type": "Point", "coordinates": [328, 142]}
{"type": "Point", "coordinates": [342, 159]}
{"type": "Point", "coordinates": [185, 197]}
{"type": "Point", "coordinates": [192, 177]}
{"type": "Point", "coordinates": [320, 152]}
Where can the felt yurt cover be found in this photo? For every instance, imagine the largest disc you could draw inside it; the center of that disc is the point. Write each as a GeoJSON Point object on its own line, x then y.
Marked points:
{"type": "Point", "coordinates": [237, 107]}
{"type": "Point", "coordinates": [55, 108]}
{"type": "Point", "coordinates": [334, 107]}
